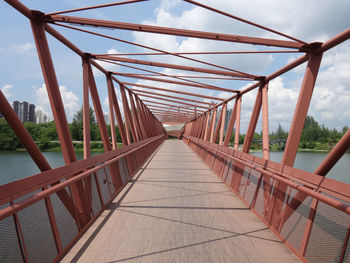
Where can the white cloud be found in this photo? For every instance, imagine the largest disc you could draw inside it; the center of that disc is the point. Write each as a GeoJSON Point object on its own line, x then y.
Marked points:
{"type": "Point", "coordinates": [69, 98]}
{"type": "Point", "coordinates": [26, 48]}
{"type": "Point", "coordinates": [6, 91]}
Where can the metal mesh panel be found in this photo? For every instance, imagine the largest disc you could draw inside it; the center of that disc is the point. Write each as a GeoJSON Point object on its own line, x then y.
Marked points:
{"type": "Point", "coordinates": [251, 186]}
{"type": "Point", "coordinates": [293, 229]}
{"type": "Point", "coordinates": [259, 203]}
{"type": "Point", "coordinates": [327, 234]}
{"type": "Point", "coordinates": [95, 198]}
{"type": "Point", "coordinates": [245, 174]}
{"type": "Point", "coordinates": [37, 233]}
{"type": "Point", "coordinates": [103, 181]}
{"type": "Point", "coordinates": [123, 174]}
{"type": "Point", "coordinates": [10, 250]}
{"type": "Point", "coordinates": [65, 222]}
{"type": "Point", "coordinates": [228, 178]}
{"type": "Point", "coordinates": [226, 169]}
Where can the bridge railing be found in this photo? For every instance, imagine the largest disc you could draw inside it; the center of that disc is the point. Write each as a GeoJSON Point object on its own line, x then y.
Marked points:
{"type": "Point", "coordinates": [317, 230]}
{"type": "Point", "coordinates": [39, 215]}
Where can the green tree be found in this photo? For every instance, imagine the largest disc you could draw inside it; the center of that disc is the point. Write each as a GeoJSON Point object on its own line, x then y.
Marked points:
{"type": "Point", "coordinates": [8, 139]}
{"type": "Point", "coordinates": [76, 127]}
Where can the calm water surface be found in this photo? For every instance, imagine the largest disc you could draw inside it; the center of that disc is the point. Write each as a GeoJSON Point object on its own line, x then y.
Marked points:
{"type": "Point", "coordinates": [17, 165]}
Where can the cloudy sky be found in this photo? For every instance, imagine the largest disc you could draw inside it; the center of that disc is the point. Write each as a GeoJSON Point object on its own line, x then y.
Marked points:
{"type": "Point", "coordinates": [309, 21]}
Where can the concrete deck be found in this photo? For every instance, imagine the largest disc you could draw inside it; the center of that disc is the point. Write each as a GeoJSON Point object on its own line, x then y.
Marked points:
{"type": "Point", "coordinates": [177, 210]}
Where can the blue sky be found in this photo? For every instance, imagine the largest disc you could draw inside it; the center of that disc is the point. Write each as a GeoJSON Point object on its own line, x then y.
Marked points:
{"type": "Point", "coordinates": [21, 77]}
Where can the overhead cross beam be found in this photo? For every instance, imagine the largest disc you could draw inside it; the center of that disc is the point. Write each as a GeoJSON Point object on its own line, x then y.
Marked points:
{"type": "Point", "coordinates": [172, 105]}
{"type": "Point", "coordinates": [175, 66]}
{"type": "Point", "coordinates": [168, 96]}
{"type": "Point", "coordinates": [175, 82]}
{"type": "Point", "coordinates": [173, 31]}
{"type": "Point", "coordinates": [174, 91]}
{"type": "Point", "coordinates": [181, 102]}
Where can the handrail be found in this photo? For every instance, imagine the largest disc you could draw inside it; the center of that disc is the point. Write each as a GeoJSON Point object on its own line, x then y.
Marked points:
{"type": "Point", "coordinates": [41, 195]}
{"type": "Point", "coordinates": [325, 199]}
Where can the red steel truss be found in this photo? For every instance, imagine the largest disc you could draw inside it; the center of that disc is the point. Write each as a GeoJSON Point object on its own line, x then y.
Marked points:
{"type": "Point", "coordinates": [276, 192]}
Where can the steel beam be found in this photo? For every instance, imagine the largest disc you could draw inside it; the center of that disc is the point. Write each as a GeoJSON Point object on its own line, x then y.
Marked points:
{"type": "Point", "coordinates": [173, 31]}
{"type": "Point", "coordinates": [174, 66]}
{"type": "Point", "coordinates": [168, 96]}
{"type": "Point", "coordinates": [180, 102]}
{"type": "Point", "coordinates": [230, 125]}
{"type": "Point", "coordinates": [202, 86]}
{"type": "Point", "coordinates": [175, 91]}
{"type": "Point", "coordinates": [238, 122]}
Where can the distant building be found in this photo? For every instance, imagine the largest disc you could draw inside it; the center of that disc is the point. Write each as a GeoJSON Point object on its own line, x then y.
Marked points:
{"type": "Point", "coordinates": [24, 111]}
{"type": "Point", "coordinates": [106, 117]}
{"type": "Point", "coordinates": [40, 117]}
{"type": "Point", "coordinates": [31, 113]}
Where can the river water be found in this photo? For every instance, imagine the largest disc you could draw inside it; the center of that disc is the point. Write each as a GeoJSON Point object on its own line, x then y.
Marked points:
{"type": "Point", "coordinates": [17, 165]}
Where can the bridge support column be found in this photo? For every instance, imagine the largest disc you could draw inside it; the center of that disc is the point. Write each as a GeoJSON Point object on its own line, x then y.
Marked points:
{"type": "Point", "coordinates": [294, 135]}
{"type": "Point", "coordinates": [128, 121]}
{"type": "Point", "coordinates": [238, 122]}
{"type": "Point", "coordinates": [114, 168]}
{"type": "Point", "coordinates": [78, 192]}
{"type": "Point", "coordinates": [231, 124]}
{"type": "Point", "coordinates": [111, 93]}
{"type": "Point", "coordinates": [212, 124]}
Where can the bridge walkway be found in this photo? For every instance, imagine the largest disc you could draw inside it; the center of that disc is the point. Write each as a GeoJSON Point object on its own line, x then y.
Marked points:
{"type": "Point", "coordinates": [176, 210]}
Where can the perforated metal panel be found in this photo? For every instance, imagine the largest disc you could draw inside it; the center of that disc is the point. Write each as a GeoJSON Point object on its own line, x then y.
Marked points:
{"type": "Point", "coordinates": [66, 225]}
{"type": "Point", "coordinates": [10, 250]}
{"type": "Point", "coordinates": [95, 198]}
{"type": "Point", "coordinates": [37, 233]}
{"type": "Point", "coordinates": [123, 173]}
{"type": "Point", "coordinates": [103, 181]}
{"type": "Point", "coordinates": [251, 186]}
{"type": "Point", "coordinates": [327, 234]}
{"type": "Point", "coordinates": [294, 227]}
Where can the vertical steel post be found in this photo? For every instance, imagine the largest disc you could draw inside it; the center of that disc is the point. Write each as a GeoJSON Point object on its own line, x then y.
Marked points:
{"type": "Point", "coordinates": [213, 119]}
{"type": "Point", "coordinates": [253, 121]}
{"type": "Point", "coordinates": [128, 120]}
{"type": "Point", "coordinates": [86, 109]}
{"type": "Point", "coordinates": [222, 129]}
{"type": "Point", "coordinates": [135, 118]}
{"type": "Point", "coordinates": [295, 131]}
{"type": "Point", "coordinates": [265, 123]}
{"type": "Point", "coordinates": [218, 125]}
{"type": "Point", "coordinates": [114, 168]}
{"type": "Point", "coordinates": [116, 109]}
{"type": "Point", "coordinates": [59, 115]}
{"type": "Point", "coordinates": [238, 122]}
{"type": "Point", "coordinates": [112, 119]}
{"type": "Point", "coordinates": [205, 137]}
{"type": "Point", "coordinates": [230, 125]}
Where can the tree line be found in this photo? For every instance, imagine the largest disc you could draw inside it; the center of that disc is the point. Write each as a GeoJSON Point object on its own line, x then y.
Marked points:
{"type": "Point", "coordinates": [45, 134]}
{"type": "Point", "coordinates": [314, 135]}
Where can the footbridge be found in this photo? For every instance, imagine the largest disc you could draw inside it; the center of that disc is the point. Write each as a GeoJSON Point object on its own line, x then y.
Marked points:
{"type": "Point", "coordinates": [195, 198]}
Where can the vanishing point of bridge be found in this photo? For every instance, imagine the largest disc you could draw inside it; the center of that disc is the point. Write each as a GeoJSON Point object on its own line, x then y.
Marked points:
{"type": "Point", "coordinates": [194, 199]}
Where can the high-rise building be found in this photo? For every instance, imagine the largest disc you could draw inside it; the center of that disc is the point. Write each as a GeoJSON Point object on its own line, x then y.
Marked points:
{"type": "Point", "coordinates": [31, 113]}
{"type": "Point", "coordinates": [40, 117]}
{"type": "Point", "coordinates": [24, 111]}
